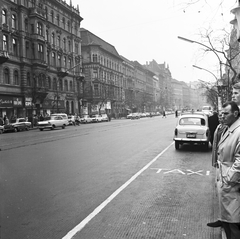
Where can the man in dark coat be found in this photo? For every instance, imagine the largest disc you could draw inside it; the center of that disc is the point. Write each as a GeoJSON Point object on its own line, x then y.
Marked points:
{"type": "Point", "coordinates": [213, 122]}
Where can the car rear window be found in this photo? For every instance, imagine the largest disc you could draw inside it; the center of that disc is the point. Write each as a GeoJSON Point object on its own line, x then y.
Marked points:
{"type": "Point", "coordinates": [192, 121]}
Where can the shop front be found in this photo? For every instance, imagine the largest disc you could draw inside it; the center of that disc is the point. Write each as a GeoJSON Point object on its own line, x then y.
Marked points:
{"type": "Point", "coordinates": [11, 106]}
{"type": "Point", "coordinates": [50, 106]}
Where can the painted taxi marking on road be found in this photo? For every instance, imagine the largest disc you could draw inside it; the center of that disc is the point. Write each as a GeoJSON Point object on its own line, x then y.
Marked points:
{"type": "Point", "coordinates": [181, 171]}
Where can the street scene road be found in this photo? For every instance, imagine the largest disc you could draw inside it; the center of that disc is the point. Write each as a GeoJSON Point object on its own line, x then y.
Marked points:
{"type": "Point", "coordinates": [118, 179]}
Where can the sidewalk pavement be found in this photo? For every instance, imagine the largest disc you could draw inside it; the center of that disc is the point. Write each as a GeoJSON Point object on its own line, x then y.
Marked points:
{"type": "Point", "coordinates": [160, 205]}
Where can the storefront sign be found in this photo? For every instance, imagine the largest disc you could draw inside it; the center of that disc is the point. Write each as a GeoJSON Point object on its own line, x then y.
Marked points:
{"type": "Point", "coordinates": [53, 104]}
{"type": "Point", "coordinates": [17, 102]}
{"type": "Point", "coordinates": [6, 101]}
{"type": "Point", "coordinates": [28, 102]}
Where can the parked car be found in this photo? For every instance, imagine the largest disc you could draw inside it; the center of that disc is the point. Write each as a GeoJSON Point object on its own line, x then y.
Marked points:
{"type": "Point", "coordinates": [193, 129]}
{"type": "Point", "coordinates": [63, 115]}
{"type": "Point", "coordinates": [129, 116]}
{"type": "Point", "coordinates": [1, 129]}
{"type": "Point", "coordinates": [135, 116]}
{"type": "Point", "coordinates": [8, 128]}
{"type": "Point", "coordinates": [96, 118]}
{"type": "Point", "coordinates": [52, 122]}
{"type": "Point", "coordinates": [20, 124]}
{"type": "Point", "coordinates": [104, 118]}
{"type": "Point", "coordinates": [85, 119]}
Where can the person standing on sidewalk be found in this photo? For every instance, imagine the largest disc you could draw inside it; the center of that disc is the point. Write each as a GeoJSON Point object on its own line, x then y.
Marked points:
{"type": "Point", "coordinates": [228, 183]}
{"type": "Point", "coordinates": [236, 93]}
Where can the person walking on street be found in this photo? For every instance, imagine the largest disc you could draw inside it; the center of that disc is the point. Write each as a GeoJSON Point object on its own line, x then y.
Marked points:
{"type": "Point", "coordinates": [164, 114]}
{"type": "Point", "coordinates": [228, 178]}
{"type": "Point", "coordinates": [213, 122]}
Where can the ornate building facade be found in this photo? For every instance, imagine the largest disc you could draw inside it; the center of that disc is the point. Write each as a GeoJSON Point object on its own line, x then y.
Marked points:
{"type": "Point", "coordinates": [42, 72]}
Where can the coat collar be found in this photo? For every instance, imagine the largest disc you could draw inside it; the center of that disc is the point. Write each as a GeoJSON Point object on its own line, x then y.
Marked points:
{"type": "Point", "coordinates": [230, 130]}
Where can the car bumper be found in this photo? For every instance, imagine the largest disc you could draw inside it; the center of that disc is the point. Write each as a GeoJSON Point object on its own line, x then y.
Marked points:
{"type": "Point", "coordinates": [183, 140]}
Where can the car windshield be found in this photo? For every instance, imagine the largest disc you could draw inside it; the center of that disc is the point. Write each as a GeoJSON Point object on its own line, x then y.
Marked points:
{"type": "Point", "coordinates": [192, 121]}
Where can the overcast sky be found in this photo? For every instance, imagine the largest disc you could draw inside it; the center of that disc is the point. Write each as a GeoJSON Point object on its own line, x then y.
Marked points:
{"type": "Point", "coordinates": [145, 30]}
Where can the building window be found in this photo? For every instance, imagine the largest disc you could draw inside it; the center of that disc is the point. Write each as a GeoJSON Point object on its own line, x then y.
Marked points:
{"type": "Point", "coordinates": [28, 79]}
{"type": "Point", "coordinates": [60, 85]}
{"type": "Point", "coordinates": [69, 26]}
{"type": "Point", "coordinates": [69, 46]}
{"type": "Point", "coordinates": [66, 85]}
{"type": "Point", "coordinates": [32, 28]}
{"type": "Point", "coordinates": [46, 11]}
{"type": "Point", "coordinates": [58, 41]}
{"type": "Point", "coordinates": [16, 79]}
{"type": "Point", "coordinates": [14, 45]}
{"type": "Point", "coordinates": [33, 50]}
{"type": "Point", "coordinates": [69, 63]}
{"type": "Point", "coordinates": [76, 28]}
{"type": "Point", "coordinates": [53, 38]}
{"type": "Point", "coordinates": [49, 83]}
{"type": "Point", "coordinates": [64, 44]}
{"type": "Point", "coordinates": [27, 49]}
{"type": "Point", "coordinates": [95, 74]}
{"type": "Point", "coordinates": [6, 76]}
{"type": "Point", "coordinates": [4, 16]}
{"type": "Point", "coordinates": [63, 22]}
{"type": "Point", "coordinates": [40, 52]}
{"type": "Point", "coordinates": [52, 16]}
{"type": "Point", "coordinates": [39, 29]}
{"type": "Point", "coordinates": [26, 25]}
{"type": "Point", "coordinates": [54, 84]}
{"type": "Point", "coordinates": [48, 57]}
{"type": "Point", "coordinates": [5, 42]}
{"type": "Point", "coordinates": [64, 62]}
{"type": "Point", "coordinates": [76, 48]}
{"type": "Point", "coordinates": [94, 57]}
{"type": "Point", "coordinates": [71, 86]}
{"type": "Point", "coordinates": [59, 60]}
{"type": "Point", "coordinates": [47, 35]}
{"type": "Point", "coordinates": [14, 21]}
{"type": "Point", "coordinates": [58, 20]}
{"type": "Point", "coordinates": [53, 59]}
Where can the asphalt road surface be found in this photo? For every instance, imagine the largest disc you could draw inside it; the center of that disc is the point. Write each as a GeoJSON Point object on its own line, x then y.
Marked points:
{"type": "Point", "coordinates": [52, 181]}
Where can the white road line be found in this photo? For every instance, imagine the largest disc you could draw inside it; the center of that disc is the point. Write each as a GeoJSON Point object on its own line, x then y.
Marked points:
{"type": "Point", "coordinates": [83, 223]}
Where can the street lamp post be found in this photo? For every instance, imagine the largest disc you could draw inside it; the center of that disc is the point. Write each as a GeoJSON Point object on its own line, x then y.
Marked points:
{"type": "Point", "coordinates": [209, 48]}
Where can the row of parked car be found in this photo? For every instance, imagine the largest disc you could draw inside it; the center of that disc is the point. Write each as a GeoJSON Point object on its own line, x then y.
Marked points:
{"type": "Point", "coordinates": [51, 122]}
{"type": "Point", "coordinates": [138, 115]}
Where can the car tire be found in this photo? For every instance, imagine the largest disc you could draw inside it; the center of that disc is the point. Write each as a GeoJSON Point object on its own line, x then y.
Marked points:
{"type": "Point", "coordinates": [206, 146]}
{"type": "Point", "coordinates": [26, 128]}
{"type": "Point", "coordinates": [1, 131]}
{"type": "Point", "coordinates": [63, 127]}
{"type": "Point", "coordinates": [41, 129]}
{"type": "Point", "coordinates": [177, 145]}
{"type": "Point", "coordinates": [16, 129]}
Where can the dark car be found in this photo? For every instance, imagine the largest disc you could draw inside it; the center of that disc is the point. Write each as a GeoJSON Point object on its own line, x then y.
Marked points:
{"type": "Point", "coordinates": [8, 128]}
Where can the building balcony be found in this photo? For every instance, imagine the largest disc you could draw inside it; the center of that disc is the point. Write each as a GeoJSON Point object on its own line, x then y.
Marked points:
{"type": "Point", "coordinates": [37, 12]}
{"type": "Point", "coordinates": [3, 56]}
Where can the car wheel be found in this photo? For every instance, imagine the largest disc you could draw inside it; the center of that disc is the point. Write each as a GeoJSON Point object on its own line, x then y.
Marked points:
{"type": "Point", "coordinates": [26, 128]}
{"type": "Point", "coordinates": [177, 145]}
{"type": "Point", "coordinates": [63, 127]}
{"type": "Point", "coordinates": [41, 129]}
{"type": "Point", "coordinates": [16, 129]}
{"type": "Point", "coordinates": [1, 131]}
{"type": "Point", "coordinates": [53, 127]}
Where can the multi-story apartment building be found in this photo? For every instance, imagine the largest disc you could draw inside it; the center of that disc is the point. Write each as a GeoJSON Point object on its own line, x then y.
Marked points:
{"type": "Point", "coordinates": [42, 40]}
{"type": "Point", "coordinates": [104, 83]}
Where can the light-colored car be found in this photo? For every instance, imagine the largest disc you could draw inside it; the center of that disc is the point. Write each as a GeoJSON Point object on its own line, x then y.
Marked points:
{"type": "Point", "coordinates": [85, 119]}
{"type": "Point", "coordinates": [63, 115]}
{"type": "Point", "coordinates": [96, 118]}
{"type": "Point", "coordinates": [104, 118]}
{"type": "Point", "coordinates": [129, 116]}
{"type": "Point", "coordinates": [20, 124]}
{"type": "Point", "coordinates": [1, 129]}
{"type": "Point", "coordinates": [52, 122]}
{"type": "Point", "coordinates": [135, 116]}
{"type": "Point", "coordinates": [193, 129]}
